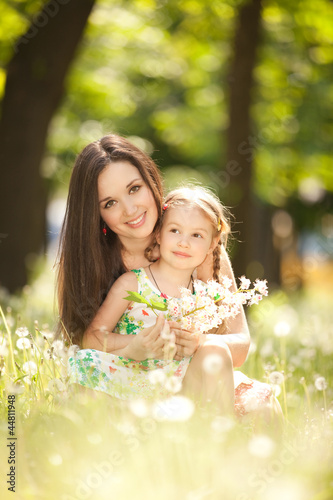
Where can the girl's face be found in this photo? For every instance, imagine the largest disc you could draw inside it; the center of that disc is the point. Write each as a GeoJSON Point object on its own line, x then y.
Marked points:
{"type": "Point", "coordinates": [126, 203]}
{"type": "Point", "coordinates": [186, 237]}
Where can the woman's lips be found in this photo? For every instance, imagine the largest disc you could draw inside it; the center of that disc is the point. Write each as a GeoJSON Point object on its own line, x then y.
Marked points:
{"type": "Point", "coordinates": [139, 221]}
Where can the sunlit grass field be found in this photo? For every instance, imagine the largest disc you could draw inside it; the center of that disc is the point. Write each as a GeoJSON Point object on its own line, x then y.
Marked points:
{"type": "Point", "coordinates": [77, 447]}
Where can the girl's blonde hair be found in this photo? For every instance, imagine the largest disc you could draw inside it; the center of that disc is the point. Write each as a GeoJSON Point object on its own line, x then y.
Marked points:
{"type": "Point", "coordinates": [206, 201]}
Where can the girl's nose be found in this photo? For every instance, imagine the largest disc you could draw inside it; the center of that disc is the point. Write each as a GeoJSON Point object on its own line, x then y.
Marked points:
{"type": "Point", "coordinates": [183, 241]}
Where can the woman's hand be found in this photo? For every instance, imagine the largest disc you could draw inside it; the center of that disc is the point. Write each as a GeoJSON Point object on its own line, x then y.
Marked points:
{"type": "Point", "coordinates": [186, 342]}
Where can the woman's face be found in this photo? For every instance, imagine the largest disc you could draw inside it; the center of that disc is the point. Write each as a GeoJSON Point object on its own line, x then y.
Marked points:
{"type": "Point", "coordinates": [126, 203]}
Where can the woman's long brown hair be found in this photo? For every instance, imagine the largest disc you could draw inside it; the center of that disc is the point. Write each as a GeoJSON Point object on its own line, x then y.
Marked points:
{"type": "Point", "coordinates": [89, 262]}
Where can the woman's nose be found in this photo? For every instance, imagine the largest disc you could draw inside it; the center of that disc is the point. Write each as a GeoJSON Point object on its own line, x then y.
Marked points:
{"type": "Point", "coordinates": [129, 208]}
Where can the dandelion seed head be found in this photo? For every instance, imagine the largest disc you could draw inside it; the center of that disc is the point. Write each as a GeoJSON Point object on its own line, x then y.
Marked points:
{"type": "Point", "coordinates": [156, 377]}
{"type": "Point", "coordinates": [139, 407]}
{"type": "Point", "coordinates": [175, 409]}
{"type": "Point", "coordinates": [55, 459]}
{"type": "Point", "coordinates": [276, 378]}
{"type": "Point", "coordinates": [22, 331]}
{"type": "Point", "coordinates": [281, 329]}
{"type": "Point", "coordinates": [261, 446]}
{"type": "Point", "coordinates": [221, 425]}
{"type": "Point", "coordinates": [173, 384]}
{"type": "Point", "coordinates": [212, 364]}
{"type": "Point", "coordinates": [23, 343]}
{"type": "Point", "coordinates": [30, 367]}
{"type": "Point", "coordinates": [56, 384]}
{"type": "Point", "coordinates": [320, 384]}
{"type": "Point", "coordinates": [3, 350]}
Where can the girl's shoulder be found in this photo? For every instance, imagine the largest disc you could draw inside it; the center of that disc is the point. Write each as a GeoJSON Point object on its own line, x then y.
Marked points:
{"type": "Point", "coordinates": [128, 279]}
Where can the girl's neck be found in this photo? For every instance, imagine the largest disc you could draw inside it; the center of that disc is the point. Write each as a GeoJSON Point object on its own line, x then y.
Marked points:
{"type": "Point", "coordinates": [169, 279]}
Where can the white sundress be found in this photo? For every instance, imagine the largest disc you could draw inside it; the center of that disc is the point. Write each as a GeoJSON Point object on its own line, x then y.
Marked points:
{"type": "Point", "coordinates": [126, 378]}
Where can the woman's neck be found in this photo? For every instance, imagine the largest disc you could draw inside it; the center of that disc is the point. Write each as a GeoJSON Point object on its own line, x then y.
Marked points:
{"type": "Point", "coordinates": [133, 252]}
{"type": "Point", "coordinates": [169, 279]}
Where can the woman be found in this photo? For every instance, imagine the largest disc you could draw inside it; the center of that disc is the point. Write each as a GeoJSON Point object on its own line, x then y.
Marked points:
{"type": "Point", "coordinates": [114, 204]}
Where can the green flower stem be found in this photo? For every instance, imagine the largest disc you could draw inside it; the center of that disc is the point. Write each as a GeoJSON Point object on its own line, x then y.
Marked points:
{"type": "Point", "coordinates": [10, 341]}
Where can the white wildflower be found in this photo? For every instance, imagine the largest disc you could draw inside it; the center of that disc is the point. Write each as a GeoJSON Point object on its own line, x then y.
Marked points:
{"type": "Point", "coordinates": [22, 331]}
{"type": "Point", "coordinates": [23, 343]}
{"type": "Point", "coordinates": [321, 384]}
{"type": "Point", "coordinates": [227, 282]}
{"type": "Point", "coordinates": [30, 367]}
{"type": "Point", "coordinates": [276, 378]}
{"type": "Point", "coordinates": [261, 286]}
{"type": "Point", "coordinates": [244, 282]}
{"type": "Point", "coordinates": [173, 384]}
{"type": "Point", "coordinates": [212, 364]}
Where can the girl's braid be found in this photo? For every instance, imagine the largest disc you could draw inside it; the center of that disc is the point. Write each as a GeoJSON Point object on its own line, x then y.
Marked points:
{"type": "Point", "coordinates": [149, 251]}
{"type": "Point", "coordinates": [217, 261]}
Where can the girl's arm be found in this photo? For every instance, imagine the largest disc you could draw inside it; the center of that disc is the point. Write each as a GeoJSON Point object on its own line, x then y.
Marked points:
{"type": "Point", "coordinates": [100, 335]}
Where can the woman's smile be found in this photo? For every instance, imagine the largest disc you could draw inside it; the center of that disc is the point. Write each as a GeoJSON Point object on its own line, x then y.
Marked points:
{"type": "Point", "coordinates": [138, 222]}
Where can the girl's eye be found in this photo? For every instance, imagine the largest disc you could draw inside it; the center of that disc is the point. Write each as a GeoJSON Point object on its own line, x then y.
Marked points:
{"type": "Point", "coordinates": [110, 204]}
{"type": "Point", "coordinates": [197, 235]}
{"type": "Point", "coordinates": [134, 189]}
{"type": "Point", "coordinates": [174, 230]}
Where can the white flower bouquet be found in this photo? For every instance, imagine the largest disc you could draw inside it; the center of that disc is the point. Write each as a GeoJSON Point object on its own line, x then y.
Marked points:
{"type": "Point", "coordinates": [208, 306]}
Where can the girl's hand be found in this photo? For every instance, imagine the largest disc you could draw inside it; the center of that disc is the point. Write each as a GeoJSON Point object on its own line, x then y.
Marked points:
{"type": "Point", "coordinates": [186, 342]}
{"type": "Point", "coordinates": [146, 344]}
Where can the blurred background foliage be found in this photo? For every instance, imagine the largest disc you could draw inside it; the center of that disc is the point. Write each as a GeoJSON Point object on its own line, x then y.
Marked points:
{"type": "Point", "coordinates": [157, 72]}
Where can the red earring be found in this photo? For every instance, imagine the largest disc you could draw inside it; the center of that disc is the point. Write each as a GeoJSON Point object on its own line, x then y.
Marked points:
{"type": "Point", "coordinates": [104, 229]}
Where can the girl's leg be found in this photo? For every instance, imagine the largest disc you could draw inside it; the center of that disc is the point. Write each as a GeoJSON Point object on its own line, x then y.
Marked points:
{"type": "Point", "coordinates": [209, 378]}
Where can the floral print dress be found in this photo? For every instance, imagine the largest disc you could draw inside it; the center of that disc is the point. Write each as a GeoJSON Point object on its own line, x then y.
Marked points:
{"type": "Point", "coordinates": [126, 378]}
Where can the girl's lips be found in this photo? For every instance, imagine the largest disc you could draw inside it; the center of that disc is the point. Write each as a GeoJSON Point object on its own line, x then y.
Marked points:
{"type": "Point", "coordinates": [181, 254]}
{"type": "Point", "coordinates": [138, 222]}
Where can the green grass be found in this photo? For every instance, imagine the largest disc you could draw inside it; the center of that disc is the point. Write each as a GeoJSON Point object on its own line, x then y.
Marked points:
{"type": "Point", "coordinates": [94, 448]}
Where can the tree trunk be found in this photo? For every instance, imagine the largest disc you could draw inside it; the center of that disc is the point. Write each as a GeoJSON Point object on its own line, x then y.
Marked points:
{"type": "Point", "coordinates": [252, 221]}
{"type": "Point", "coordinates": [34, 86]}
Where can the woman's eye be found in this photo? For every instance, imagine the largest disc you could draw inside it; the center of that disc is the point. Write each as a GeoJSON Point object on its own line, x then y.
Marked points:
{"type": "Point", "coordinates": [134, 189]}
{"type": "Point", "coordinates": [110, 204]}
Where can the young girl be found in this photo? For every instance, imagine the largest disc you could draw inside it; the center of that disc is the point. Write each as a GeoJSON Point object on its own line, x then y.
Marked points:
{"type": "Point", "coordinates": [193, 226]}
